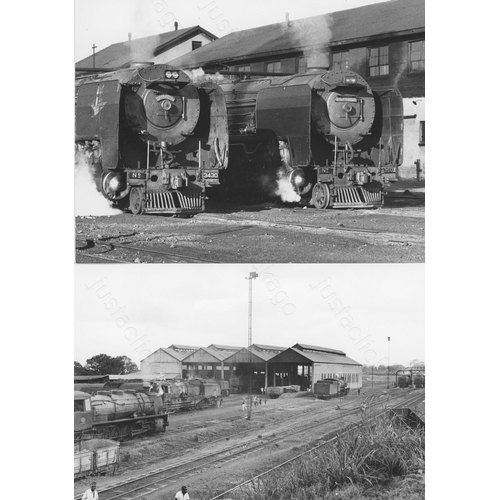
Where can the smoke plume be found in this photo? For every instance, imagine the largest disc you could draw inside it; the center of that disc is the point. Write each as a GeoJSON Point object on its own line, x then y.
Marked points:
{"type": "Point", "coordinates": [285, 189]}
{"type": "Point", "coordinates": [88, 201]}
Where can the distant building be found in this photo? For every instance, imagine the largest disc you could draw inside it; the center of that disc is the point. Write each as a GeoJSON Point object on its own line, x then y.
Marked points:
{"type": "Point", "coordinates": [166, 362]}
{"type": "Point", "coordinates": [159, 49]}
{"type": "Point", "coordinates": [383, 42]}
{"type": "Point", "coordinates": [259, 366]}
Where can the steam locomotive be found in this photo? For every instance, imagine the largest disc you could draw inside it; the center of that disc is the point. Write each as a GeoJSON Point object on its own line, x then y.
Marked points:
{"type": "Point", "coordinates": [118, 414]}
{"type": "Point", "coordinates": [326, 134]}
{"type": "Point", "coordinates": [330, 388]}
{"type": "Point", "coordinates": [154, 140]}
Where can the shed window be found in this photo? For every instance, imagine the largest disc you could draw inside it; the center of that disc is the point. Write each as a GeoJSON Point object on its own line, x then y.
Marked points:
{"type": "Point", "coordinates": [417, 56]}
{"type": "Point", "coordinates": [273, 67]}
{"type": "Point", "coordinates": [301, 65]}
{"type": "Point", "coordinates": [379, 61]}
{"type": "Point", "coordinates": [340, 61]}
{"type": "Point", "coordinates": [195, 45]}
{"type": "Point", "coordinates": [243, 69]}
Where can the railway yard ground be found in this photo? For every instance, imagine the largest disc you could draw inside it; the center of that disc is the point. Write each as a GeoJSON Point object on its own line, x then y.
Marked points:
{"type": "Point", "coordinates": [263, 233]}
{"type": "Point", "coordinates": [214, 450]}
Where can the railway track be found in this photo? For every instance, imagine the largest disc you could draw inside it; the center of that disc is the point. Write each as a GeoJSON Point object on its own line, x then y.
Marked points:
{"type": "Point", "coordinates": [412, 400]}
{"type": "Point", "coordinates": [157, 479]}
{"type": "Point", "coordinates": [134, 253]}
{"type": "Point", "coordinates": [198, 427]}
{"type": "Point", "coordinates": [370, 234]}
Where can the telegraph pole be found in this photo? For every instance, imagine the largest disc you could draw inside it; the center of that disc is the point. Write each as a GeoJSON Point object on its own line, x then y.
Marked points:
{"type": "Point", "coordinates": [94, 46]}
{"type": "Point", "coordinates": [388, 359]}
{"type": "Point", "coordinates": [251, 277]}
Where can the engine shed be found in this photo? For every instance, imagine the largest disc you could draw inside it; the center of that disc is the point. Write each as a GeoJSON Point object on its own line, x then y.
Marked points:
{"type": "Point", "coordinates": [208, 362]}
{"type": "Point", "coordinates": [167, 361]}
{"type": "Point", "coordinates": [303, 365]}
{"type": "Point", "coordinates": [251, 366]}
{"type": "Point", "coordinates": [257, 367]}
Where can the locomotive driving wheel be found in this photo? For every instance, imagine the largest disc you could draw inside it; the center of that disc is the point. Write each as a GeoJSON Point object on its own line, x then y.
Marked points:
{"type": "Point", "coordinates": [136, 201]}
{"type": "Point", "coordinates": [321, 195]}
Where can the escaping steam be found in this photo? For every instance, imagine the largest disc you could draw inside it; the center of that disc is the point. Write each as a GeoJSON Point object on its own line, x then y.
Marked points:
{"type": "Point", "coordinates": [88, 201]}
{"type": "Point", "coordinates": [285, 189]}
{"type": "Point", "coordinates": [199, 76]}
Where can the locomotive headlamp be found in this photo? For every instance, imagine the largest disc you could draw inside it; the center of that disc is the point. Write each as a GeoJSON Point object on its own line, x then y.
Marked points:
{"type": "Point", "coordinates": [350, 80]}
{"type": "Point", "coordinates": [297, 178]}
{"type": "Point", "coordinates": [166, 105]}
{"type": "Point", "coordinates": [175, 74]}
{"type": "Point", "coordinates": [115, 184]}
{"type": "Point", "coordinates": [168, 74]}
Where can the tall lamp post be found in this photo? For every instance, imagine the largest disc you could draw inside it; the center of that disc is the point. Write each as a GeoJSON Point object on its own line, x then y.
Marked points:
{"type": "Point", "coordinates": [251, 277]}
{"type": "Point", "coordinates": [388, 359]}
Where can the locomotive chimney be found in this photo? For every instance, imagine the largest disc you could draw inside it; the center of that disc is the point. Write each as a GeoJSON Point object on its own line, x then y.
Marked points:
{"type": "Point", "coordinates": [176, 25]}
{"type": "Point", "coordinates": [129, 36]}
{"type": "Point", "coordinates": [317, 63]}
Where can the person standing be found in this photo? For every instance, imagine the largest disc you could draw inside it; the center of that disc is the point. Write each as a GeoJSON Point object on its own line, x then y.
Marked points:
{"type": "Point", "coordinates": [182, 495]}
{"type": "Point", "coordinates": [91, 493]}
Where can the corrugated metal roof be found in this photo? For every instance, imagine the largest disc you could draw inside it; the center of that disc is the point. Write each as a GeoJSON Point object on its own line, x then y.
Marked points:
{"type": "Point", "coordinates": [305, 347]}
{"type": "Point", "coordinates": [83, 378]}
{"type": "Point", "coordinates": [184, 347]}
{"type": "Point", "coordinates": [256, 356]}
{"type": "Point", "coordinates": [315, 357]}
{"type": "Point", "coordinates": [312, 32]}
{"type": "Point", "coordinates": [178, 355]}
{"type": "Point", "coordinates": [262, 347]}
{"type": "Point", "coordinates": [141, 49]}
{"type": "Point", "coordinates": [219, 347]}
{"type": "Point", "coordinates": [128, 376]}
{"type": "Point", "coordinates": [216, 355]}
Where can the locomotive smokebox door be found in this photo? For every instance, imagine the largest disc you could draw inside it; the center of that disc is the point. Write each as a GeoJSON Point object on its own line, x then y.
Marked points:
{"type": "Point", "coordinates": [97, 118]}
{"type": "Point", "coordinates": [287, 112]}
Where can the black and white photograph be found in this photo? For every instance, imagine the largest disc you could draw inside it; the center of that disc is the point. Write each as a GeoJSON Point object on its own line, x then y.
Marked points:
{"type": "Point", "coordinates": [288, 132]}
{"type": "Point", "coordinates": [249, 250]}
{"type": "Point", "coordinates": [250, 381]}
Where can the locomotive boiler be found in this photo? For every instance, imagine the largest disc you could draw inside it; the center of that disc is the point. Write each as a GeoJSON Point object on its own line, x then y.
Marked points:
{"type": "Point", "coordinates": [154, 139]}
{"type": "Point", "coordinates": [118, 414]}
{"type": "Point", "coordinates": [327, 133]}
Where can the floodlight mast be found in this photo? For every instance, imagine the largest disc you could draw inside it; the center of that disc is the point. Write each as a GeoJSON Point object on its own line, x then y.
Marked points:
{"type": "Point", "coordinates": [251, 277]}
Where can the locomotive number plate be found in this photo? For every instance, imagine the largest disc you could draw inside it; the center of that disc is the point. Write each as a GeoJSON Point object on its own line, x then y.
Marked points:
{"type": "Point", "coordinates": [210, 175]}
{"type": "Point", "coordinates": [137, 175]}
{"type": "Point", "coordinates": [345, 99]}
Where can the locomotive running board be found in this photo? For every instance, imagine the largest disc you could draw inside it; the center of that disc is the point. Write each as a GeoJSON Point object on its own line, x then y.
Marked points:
{"type": "Point", "coordinates": [175, 202]}
{"type": "Point", "coordinates": [357, 197]}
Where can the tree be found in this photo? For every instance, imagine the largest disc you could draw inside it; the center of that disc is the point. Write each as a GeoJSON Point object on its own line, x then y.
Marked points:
{"type": "Point", "coordinates": [102, 364]}
{"type": "Point", "coordinates": [416, 362]}
{"type": "Point", "coordinates": [80, 370]}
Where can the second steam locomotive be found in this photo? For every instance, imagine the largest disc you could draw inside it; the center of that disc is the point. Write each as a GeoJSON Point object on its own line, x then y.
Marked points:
{"type": "Point", "coordinates": [332, 138]}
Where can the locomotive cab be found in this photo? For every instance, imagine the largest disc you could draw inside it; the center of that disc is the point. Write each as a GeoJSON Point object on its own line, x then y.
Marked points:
{"type": "Point", "coordinates": [83, 415]}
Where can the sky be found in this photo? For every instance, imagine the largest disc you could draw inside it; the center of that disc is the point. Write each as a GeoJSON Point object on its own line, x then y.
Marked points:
{"type": "Point", "coordinates": [104, 22]}
{"type": "Point", "coordinates": [133, 310]}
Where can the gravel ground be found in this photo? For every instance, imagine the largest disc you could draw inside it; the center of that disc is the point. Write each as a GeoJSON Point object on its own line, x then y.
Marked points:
{"type": "Point", "coordinates": [261, 233]}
